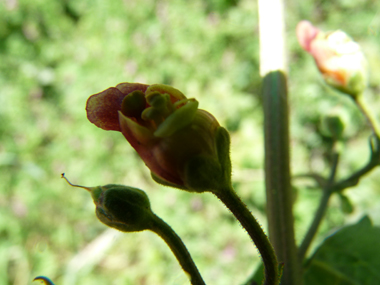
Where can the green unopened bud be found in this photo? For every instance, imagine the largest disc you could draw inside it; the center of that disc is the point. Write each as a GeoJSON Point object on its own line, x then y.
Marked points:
{"type": "Point", "coordinates": [333, 125]}
{"type": "Point", "coordinates": [124, 208]}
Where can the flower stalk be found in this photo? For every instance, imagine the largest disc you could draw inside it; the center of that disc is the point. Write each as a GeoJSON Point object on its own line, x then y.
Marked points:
{"type": "Point", "coordinates": [127, 209]}
{"type": "Point", "coordinates": [320, 213]}
{"type": "Point", "coordinates": [367, 113]}
{"type": "Point", "coordinates": [178, 248]}
{"type": "Point", "coordinates": [254, 230]}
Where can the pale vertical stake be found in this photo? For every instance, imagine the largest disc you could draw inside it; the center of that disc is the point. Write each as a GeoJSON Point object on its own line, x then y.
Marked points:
{"type": "Point", "coordinates": [276, 129]}
{"type": "Point", "coordinates": [272, 41]}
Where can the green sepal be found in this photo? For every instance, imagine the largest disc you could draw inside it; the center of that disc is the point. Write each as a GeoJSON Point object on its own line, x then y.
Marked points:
{"type": "Point", "coordinates": [223, 143]}
{"type": "Point", "coordinates": [203, 173]}
{"type": "Point", "coordinates": [124, 208]}
{"type": "Point", "coordinates": [167, 183]}
{"type": "Point", "coordinates": [96, 193]}
{"type": "Point", "coordinates": [357, 83]}
{"type": "Point", "coordinates": [179, 119]}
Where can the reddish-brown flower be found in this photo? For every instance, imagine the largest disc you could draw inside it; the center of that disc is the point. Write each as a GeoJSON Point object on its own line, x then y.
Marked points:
{"type": "Point", "coordinates": [162, 125]}
{"type": "Point", "coordinates": [338, 57]}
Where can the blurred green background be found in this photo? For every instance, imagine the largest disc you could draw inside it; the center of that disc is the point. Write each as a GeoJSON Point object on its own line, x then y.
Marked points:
{"type": "Point", "coordinates": [55, 54]}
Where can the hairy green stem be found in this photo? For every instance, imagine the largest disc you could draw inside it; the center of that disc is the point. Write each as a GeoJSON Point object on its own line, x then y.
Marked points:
{"type": "Point", "coordinates": [350, 181]}
{"type": "Point", "coordinates": [331, 187]}
{"type": "Point", "coordinates": [178, 248]}
{"type": "Point", "coordinates": [359, 100]}
{"type": "Point", "coordinates": [253, 228]}
{"type": "Point", "coordinates": [320, 213]}
{"type": "Point", "coordinates": [354, 178]}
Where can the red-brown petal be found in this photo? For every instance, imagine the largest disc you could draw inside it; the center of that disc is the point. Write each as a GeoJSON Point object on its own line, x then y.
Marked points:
{"type": "Point", "coordinates": [127, 88]}
{"type": "Point", "coordinates": [146, 148]}
{"type": "Point", "coordinates": [102, 108]}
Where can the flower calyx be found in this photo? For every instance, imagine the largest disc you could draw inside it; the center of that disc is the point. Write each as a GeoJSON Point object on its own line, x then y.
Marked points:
{"type": "Point", "coordinates": [124, 208]}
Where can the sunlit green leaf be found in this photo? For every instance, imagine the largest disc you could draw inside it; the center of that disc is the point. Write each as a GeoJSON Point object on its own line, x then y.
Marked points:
{"type": "Point", "coordinates": [351, 256]}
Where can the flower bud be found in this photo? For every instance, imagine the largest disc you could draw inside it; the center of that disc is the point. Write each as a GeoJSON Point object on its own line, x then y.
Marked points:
{"type": "Point", "coordinates": [338, 58]}
{"type": "Point", "coordinates": [165, 128]}
{"type": "Point", "coordinates": [124, 208]}
{"type": "Point", "coordinates": [333, 124]}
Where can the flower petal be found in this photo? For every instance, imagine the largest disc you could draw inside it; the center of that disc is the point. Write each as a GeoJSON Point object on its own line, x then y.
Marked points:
{"type": "Point", "coordinates": [127, 88]}
{"type": "Point", "coordinates": [146, 144]}
{"type": "Point", "coordinates": [102, 107]}
{"type": "Point", "coordinates": [306, 33]}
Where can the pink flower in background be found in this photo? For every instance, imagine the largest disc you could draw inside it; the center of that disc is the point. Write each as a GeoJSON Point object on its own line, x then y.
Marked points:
{"type": "Point", "coordinates": [338, 57]}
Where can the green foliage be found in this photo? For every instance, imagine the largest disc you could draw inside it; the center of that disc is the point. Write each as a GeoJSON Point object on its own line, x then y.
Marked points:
{"type": "Point", "coordinates": [54, 54]}
{"type": "Point", "coordinates": [347, 257]}
{"type": "Point", "coordinates": [350, 256]}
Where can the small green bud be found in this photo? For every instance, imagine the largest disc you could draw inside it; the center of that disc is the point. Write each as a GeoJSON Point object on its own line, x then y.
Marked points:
{"type": "Point", "coordinates": [124, 208]}
{"type": "Point", "coordinates": [333, 124]}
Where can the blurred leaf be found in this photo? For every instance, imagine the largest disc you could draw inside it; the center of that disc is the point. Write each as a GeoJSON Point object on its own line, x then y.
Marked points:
{"type": "Point", "coordinates": [350, 256]}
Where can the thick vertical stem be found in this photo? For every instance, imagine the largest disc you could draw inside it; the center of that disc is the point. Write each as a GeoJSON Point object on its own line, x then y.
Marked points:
{"type": "Point", "coordinates": [277, 176]}
{"type": "Point", "coordinates": [276, 129]}
{"type": "Point", "coordinates": [371, 119]}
